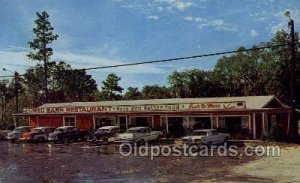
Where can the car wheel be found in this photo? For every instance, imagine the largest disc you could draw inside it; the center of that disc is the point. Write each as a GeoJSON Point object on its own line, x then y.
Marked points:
{"type": "Point", "coordinates": [226, 140]}
{"type": "Point", "coordinates": [141, 142]}
{"type": "Point", "coordinates": [65, 140]}
{"type": "Point", "coordinates": [40, 139]}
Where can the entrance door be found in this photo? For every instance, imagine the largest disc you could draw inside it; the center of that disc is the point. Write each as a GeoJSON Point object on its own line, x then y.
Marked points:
{"type": "Point", "coordinates": [202, 123]}
{"type": "Point", "coordinates": [233, 125]}
{"type": "Point", "coordinates": [176, 126]}
{"type": "Point", "coordinates": [141, 121]}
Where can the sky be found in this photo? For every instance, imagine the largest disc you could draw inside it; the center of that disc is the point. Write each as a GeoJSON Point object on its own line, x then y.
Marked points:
{"type": "Point", "coordinates": [108, 32]}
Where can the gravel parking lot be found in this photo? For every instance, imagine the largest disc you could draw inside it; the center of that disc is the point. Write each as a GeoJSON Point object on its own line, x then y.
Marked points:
{"type": "Point", "coordinates": [81, 162]}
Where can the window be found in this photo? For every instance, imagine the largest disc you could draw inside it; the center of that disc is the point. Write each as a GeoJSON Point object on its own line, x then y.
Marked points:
{"type": "Point", "coordinates": [273, 119]}
{"type": "Point", "coordinates": [69, 121]}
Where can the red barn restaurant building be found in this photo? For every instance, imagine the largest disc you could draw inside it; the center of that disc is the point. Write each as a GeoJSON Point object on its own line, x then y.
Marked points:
{"type": "Point", "coordinates": [243, 117]}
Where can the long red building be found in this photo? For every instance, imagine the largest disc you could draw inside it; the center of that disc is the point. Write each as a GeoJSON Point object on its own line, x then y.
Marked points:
{"type": "Point", "coordinates": [243, 117]}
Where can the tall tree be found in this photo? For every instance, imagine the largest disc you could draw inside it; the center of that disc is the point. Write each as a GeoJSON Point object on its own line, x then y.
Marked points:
{"type": "Point", "coordinates": [155, 92]}
{"type": "Point", "coordinates": [178, 84]}
{"type": "Point", "coordinates": [41, 51]}
{"type": "Point", "coordinates": [111, 89]}
{"type": "Point", "coordinates": [132, 94]}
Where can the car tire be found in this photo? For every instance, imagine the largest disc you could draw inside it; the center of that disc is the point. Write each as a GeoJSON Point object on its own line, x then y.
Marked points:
{"type": "Point", "coordinates": [40, 139]}
{"type": "Point", "coordinates": [65, 140]}
{"type": "Point", "coordinates": [226, 140]}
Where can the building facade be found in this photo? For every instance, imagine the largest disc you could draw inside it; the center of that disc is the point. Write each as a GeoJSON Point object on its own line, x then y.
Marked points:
{"type": "Point", "coordinates": [249, 117]}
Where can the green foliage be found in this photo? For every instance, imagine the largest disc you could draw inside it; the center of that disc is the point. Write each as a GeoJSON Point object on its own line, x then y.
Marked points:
{"type": "Point", "coordinates": [111, 89]}
{"type": "Point", "coordinates": [133, 94]}
{"type": "Point", "coordinates": [44, 36]}
{"type": "Point", "coordinates": [277, 133]}
{"type": "Point", "coordinates": [65, 84]}
{"type": "Point", "coordinates": [155, 92]}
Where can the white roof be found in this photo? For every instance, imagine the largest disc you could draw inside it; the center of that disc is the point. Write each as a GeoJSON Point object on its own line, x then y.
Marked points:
{"type": "Point", "coordinates": [252, 102]}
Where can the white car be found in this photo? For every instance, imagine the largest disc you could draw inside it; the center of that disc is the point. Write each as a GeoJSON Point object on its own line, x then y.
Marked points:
{"type": "Point", "coordinates": [206, 136]}
{"type": "Point", "coordinates": [139, 134]}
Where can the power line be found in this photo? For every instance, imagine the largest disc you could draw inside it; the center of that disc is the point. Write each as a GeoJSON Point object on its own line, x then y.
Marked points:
{"type": "Point", "coordinates": [183, 58]}
{"type": "Point", "coordinates": [175, 59]}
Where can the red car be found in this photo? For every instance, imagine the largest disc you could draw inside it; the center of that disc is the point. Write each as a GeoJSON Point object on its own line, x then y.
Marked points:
{"type": "Point", "coordinates": [39, 134]}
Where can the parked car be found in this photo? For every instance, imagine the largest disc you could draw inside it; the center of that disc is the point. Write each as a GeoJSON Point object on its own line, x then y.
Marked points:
{"type": "Point", "coordinates": [39, 134]}
{"type": "Point", "coordinates": [16, 134]}
{"type": "Point", "coordinates": [206, 136]}
{"type": "Point", "coordinates": [105, 134]}
{"type": "Point", "coordinates": [3, 134]}
{"type": "Point", "coordinates": [67, 134]}
{"type": "Point", "coordinates": [139, 135]}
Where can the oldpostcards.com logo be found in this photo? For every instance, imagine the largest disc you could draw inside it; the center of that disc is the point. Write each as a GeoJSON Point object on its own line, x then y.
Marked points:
{"type": "Point", "coordinates": [152, 151]}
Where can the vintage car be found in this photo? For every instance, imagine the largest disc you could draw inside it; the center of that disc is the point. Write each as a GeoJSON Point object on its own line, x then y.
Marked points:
{"type": "Point", "coordinates": [105, 134]}
{"type": "Point", "coordinates": [206, 136]}
{"type": "Point", "coordinates": [67, 134]}
{"type": "Point", "coordinates": [139, 135]}
{"type": "Point", "coordinates": [16, 134]}
{"type": "Point", "coordinates": [3, 134]}
{"type": "Point", "coordinates": [39, 134]}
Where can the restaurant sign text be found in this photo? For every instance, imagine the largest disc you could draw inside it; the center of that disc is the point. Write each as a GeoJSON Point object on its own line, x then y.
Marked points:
{"type": "Point", "coordinates": [139, 108]}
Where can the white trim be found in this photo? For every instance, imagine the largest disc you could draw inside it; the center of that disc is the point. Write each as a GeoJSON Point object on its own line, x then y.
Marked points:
{"type": "Point", "coordinates": [69, 116]}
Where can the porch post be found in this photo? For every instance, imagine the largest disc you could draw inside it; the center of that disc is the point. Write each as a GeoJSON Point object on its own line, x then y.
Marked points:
{"type": "Point", "coordinates": [263, 123]}
{"type": "Point", "coordinates": [254, 126]}
{"type": "Point", "coordinates": [217, 121]}
{"type": "Point", "coordinates": [94, 123]}
{"type": "Point", "coordinates": [167, 124]}
{"type": "Point", "coordinates": [126, 121]}
{"type": "Point", "coordinates": [211, 121]}
{"type": "Point", "coordinates": [289, 121]}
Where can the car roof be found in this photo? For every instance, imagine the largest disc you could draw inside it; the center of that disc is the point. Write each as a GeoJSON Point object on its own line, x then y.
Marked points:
{"type": "Point", "coordinates": [204, 130]}
{"type": "Point", "coordinates": [43, 127]}
{"type": "Point", "coordinates": [137, 128]}
{"type": "Point", "coordinates": [108, 127]}
{"type": "Point", "coordinates": [24, 127]}
{"type": "Point", "coordinates": [66, 127]}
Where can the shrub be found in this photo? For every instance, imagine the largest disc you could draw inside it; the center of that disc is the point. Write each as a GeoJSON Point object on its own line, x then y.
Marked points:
{"type": "Point", "coordinates": [277, 133]}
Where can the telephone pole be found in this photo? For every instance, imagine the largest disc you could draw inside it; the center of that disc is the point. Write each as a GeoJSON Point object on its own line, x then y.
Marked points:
{"type": "Point", "coordinates": [294, 124]}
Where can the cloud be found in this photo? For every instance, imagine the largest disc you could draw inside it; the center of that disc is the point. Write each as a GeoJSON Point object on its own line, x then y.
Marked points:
{"type": "Point", "coordinates": [153, 17]}
{"type": "Point", "coordinates": [177, 4]}
{"type": "Point", "coordinates": [218, 24]}
{"type": "Point", "coordinates": [253, 33]}
{"type": "Point", "coordinates": [18, 61]}
{"type": "Point", "coordinates": [191, 18]}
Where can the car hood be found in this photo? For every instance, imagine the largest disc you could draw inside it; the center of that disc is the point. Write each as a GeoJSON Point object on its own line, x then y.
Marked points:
{"type": "Point", "coordinates": [13, 133]}
{"type": "Point", "coordinates": [55, 133]}
{"type": "Point", "coordinates": [193, 137]}
{"type": "Point", "coordinates": [126, 136]}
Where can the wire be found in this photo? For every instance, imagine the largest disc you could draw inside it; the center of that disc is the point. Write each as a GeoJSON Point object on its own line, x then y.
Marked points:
{"type": "Point", "coordinates": [175, 59]}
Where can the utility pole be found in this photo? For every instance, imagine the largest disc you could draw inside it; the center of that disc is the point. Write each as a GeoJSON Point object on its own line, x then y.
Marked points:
{"type": "Point", "coordinates": [17, 95]}
{"type": "Point", "coordinates": [294, 124]}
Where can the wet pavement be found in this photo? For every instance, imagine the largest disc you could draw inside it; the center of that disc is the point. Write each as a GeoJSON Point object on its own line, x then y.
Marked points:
{"type": "Point", "coordinates": [81, 162]}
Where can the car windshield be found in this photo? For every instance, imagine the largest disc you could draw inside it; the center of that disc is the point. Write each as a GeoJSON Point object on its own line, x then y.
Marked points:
{"type": "Point", "coordinates": [60, 129]}
{"type": "Point", "coordinates": [133, 130]}
{"type": "Point", "coordinates": [201, 133]}
{"type": "Point", "coordinates": [103, 130]}
{"type": "Point", "coordinates": [19, 129]}
{"type": "Point", "coordinates": [36, 130]}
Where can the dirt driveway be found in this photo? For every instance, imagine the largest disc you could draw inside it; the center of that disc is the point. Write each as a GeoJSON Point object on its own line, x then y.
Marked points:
{"type": "Point", "coordinates": [81, 162]}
